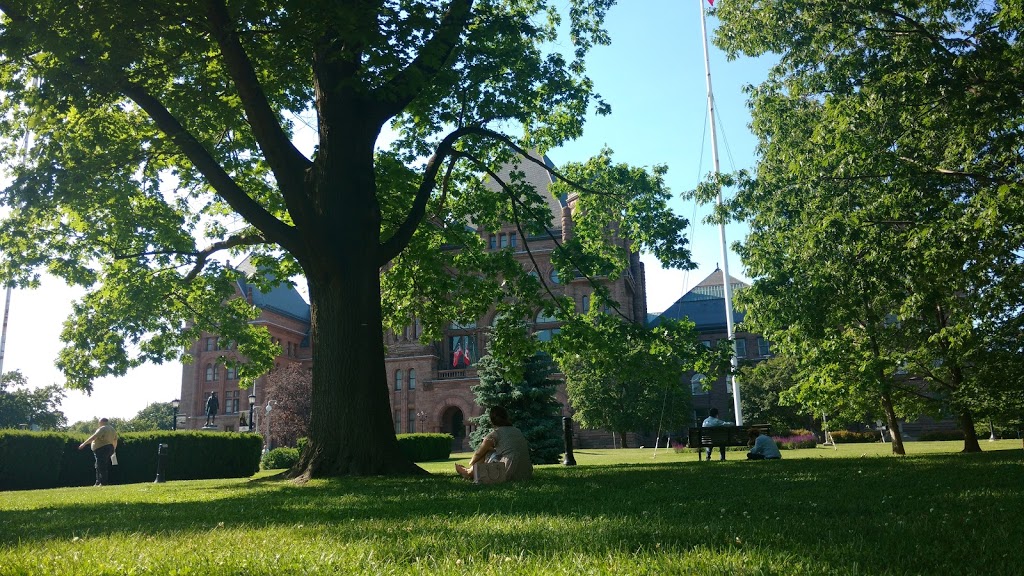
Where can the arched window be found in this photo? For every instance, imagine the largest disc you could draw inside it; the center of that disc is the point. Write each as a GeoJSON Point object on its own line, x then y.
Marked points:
{"type": "Point", "coordinates": [412, 378]}
{"type": "Point", "coordinates": [697, 384]}
{"type": "Point", "coordinates": [398, 379]}
{"type": "Point", "coordinates": [544, 318]}
{"type": "Point", "coordinates": [211, 372]}
{"type": "Point", "coordinates": [231, 373]}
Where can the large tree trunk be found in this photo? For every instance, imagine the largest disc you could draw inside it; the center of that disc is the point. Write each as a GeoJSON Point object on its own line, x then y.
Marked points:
{"type": "Point", "coordinates": [351, 428]}
{"type": "Point", "coordinates": [893, 425]}
{"type": "Point", "coordinates": [970, 435]}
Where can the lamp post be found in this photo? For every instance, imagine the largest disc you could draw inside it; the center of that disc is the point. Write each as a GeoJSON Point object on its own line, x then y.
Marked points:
{"type": "Point", "coordinates": [422, 416]}
{"type": "Point", "coordinates": [174, 405]}
{"type": "Point", "coordinates": [252, 410]}
{"type": "Point", "coordinates": [268, 408]}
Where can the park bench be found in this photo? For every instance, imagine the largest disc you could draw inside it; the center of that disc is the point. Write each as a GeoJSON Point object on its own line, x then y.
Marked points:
{"type": "Point", "coordinates": [716, 436]}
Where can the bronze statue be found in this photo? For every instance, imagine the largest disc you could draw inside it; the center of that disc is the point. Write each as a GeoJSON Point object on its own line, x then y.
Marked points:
{"type": "Point", "coordinates": [212, 405]}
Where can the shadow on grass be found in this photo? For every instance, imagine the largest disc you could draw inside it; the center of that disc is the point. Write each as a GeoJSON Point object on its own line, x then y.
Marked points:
{"type": "Point", "coordinates": [950, 513]}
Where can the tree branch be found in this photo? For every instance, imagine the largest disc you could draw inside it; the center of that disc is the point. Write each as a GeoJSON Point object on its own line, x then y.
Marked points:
{"type": "Point", "coordinates": [405, 86]}
{"type": "Point", "coordinates": [203, 255]}
{"type": "Point", "coordinates": [252, 211]}
{"type": "Point", "coordinates": [283, 157]}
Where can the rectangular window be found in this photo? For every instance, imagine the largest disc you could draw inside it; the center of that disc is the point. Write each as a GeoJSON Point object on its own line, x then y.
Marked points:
{"type": "Point", "coordinates": [586, 304]}
{"type": "Point", "coordinates": [706, 343]}
{"type": "Point", "coordinates": [463, 351]}
{"type": "Point", "coordinates": [412, 378]}
{"type": "Point", "coordinates": [762, 347]}
{"type": "Point", "coordinates": [492, 242]}
{"type": "Point", "coordinates": [211, 343]}
{"type": "Point", "coordinates": [230, 373]}
{"type": "Point", "coordinates": [398, 422]}
{"type": "Point", "coordinates": [512, 239]}
{"type": "Point", "coordinates": [504, 240]}
{"type": "Point", "coordinates": [398, 380]}
{"type": "Point", "coordinates": [741, 348]}
{"type": "Point", "coordinates": [412, 421]}
{"type": "Point", "coordinates": [231, 400]}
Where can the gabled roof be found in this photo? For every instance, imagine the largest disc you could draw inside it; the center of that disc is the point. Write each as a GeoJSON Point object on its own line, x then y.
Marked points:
{"type": "Point", "coordinates": [283, 298]}
{"type": "Point", "coordinates": [704, 304]}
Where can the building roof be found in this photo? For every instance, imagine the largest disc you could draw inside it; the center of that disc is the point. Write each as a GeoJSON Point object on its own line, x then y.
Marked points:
{"type": "Point", "coordinates": [283, 298]}
{"type": "Point", "coordinates": [540, 179]}
{"type": "Point", "coordinates": [704, 304]}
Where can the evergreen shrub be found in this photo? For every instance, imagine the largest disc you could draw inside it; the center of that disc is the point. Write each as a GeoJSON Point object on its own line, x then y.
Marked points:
{"type": "Point", "coordinates": [424, 447]}
{"type": "Point", "coordinates": [280, 458]}
{"type": "Point", "coordinates": [848, 437]}
{"type": "Point", "coordinates": [30, 460]}
{"type": "Point", "coordinates": [941, 435]}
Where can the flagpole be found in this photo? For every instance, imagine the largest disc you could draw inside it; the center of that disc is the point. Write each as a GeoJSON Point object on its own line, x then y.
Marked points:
{"type": "Point", "coordinates": [730, 331]}
{"type": "Point", "coordinates": [3, 333]}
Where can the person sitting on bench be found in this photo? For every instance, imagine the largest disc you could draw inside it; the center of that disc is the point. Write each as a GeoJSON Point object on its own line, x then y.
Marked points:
{"type": "Point", "coordinates": [714, 420]}
{"type": "Point", "coordinates": [763, 447]}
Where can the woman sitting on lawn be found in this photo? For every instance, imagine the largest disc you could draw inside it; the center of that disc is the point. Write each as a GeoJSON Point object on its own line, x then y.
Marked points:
{"type": "Point", "coordinates": [503, 456]}
{"type": "Point", "coordinates": [762, 447]}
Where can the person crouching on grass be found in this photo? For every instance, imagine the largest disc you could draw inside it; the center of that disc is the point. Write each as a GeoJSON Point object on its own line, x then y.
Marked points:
{"type": "Point", "coordinates": [762, 447]}
{"type": "Point", "coordinates": [104, 442]}
{"type": "Point", "coordinates": [503, 455]}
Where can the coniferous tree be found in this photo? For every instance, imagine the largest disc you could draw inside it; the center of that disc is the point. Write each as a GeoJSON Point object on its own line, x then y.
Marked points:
{"type": "Point", "coordinates": [518, 376]}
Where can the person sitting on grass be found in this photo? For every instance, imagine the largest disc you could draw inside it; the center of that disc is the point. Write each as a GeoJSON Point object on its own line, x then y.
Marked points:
{"type": "Point", "coordinates": [763, 447]}
{"type": "Point", "coordinates": [503, 455]}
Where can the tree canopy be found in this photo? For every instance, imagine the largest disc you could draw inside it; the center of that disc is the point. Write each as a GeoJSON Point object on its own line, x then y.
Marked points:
{"type": "Point", "coordinates": [886, 212]}
{"type": "Point", "coordinates": [150, 142]}
{"type": "Point", "coordinates": [35, 408]}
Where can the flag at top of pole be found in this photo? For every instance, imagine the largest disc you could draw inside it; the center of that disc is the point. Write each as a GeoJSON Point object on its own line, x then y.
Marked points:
{"type": "Point", "coordinates": [711, 2]}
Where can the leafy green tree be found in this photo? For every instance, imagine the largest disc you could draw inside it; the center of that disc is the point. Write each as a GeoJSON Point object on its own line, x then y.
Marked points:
{"type": "Point", "coordinates": [90, 426]}
{"type": "Point", "coordinates": [887, 200]}
{"type": "Point", "coordinates": [518, 377]}
{"type": "Point", "coordinates": [33, 407]}
{"type": "Point", "coordinates": [764, 387]}
{"type": "Point", "coordinates": [156, 416]}
{"type": "Point", "coordinates": [621, 376]}
{"type": "Point", "coordinates": [164, 143]}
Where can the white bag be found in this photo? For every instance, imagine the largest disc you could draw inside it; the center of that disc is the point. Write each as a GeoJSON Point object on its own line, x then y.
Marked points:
{"type": "Point", "coordinates": [113, 459]}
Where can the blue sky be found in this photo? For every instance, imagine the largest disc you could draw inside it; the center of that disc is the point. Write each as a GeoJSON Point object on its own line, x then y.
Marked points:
{"type": "Point", "coordinates": [653, 77]}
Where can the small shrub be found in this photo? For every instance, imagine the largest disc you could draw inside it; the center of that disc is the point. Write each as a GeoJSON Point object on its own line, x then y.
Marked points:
{"type": "Point", "coordinates": [941, 435]}
{"type": "Point", "coordinates": [785, 432]}
{"type": "Point", "coordinates": [280, 458]}
{"type": "Point", "coordinates": [795, 442]}
{"type": "Point", "coordinates": [848, 437]}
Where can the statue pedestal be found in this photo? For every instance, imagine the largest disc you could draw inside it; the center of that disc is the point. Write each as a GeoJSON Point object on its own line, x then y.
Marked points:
{"type": "Point", "coordinates": [210, 427]}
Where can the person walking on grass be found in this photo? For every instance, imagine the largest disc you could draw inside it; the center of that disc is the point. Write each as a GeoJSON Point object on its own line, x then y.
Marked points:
{"type": "Point", "coordinates": [711, 421]}
{"type": "Point", "coordinates": [503, 455]}
{"type": "Point", "coordinates": [762, 447]}
{"type": "Point", "coordinates": [104, 443]}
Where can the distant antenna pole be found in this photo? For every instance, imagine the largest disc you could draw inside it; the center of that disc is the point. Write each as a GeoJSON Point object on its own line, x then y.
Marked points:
{"type": "Point", "coordinates": [721, 226]}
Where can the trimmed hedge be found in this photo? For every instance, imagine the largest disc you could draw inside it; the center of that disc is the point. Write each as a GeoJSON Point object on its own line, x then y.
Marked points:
{"type": "Point", "coordinates": [941, 435]}
{"type": "Point", "coordinates": [32, 460]}
{"type": "Point", "coordinates": [847, 437]}
{"type": "Point", "coordinates": [426, 447]}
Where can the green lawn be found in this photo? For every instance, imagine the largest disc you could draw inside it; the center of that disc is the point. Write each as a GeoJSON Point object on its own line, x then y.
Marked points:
{"type": "Point", "coordinates": [855, 510]}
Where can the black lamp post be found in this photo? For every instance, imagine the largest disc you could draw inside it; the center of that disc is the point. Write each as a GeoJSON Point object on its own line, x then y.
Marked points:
{"type": "Point", "coordinates": [252, 411]}
{"type": "Point", "coordinates": [174, 422]}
